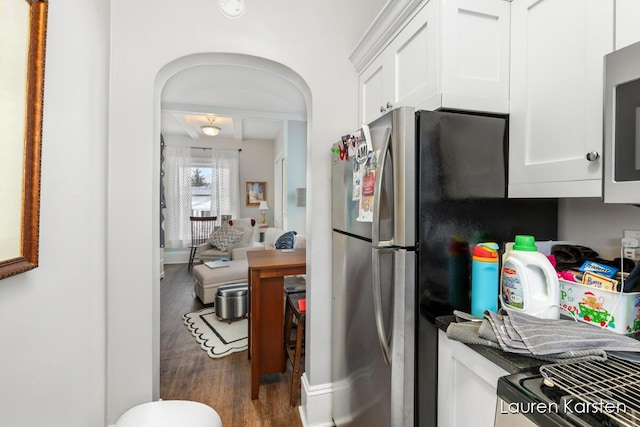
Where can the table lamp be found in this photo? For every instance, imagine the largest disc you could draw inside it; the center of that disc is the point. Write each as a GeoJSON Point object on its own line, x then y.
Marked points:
{"type": "Point", "coordinates": [264, 207]}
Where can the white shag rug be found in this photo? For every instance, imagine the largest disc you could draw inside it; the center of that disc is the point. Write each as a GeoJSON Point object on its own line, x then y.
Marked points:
{"type": "Point", "coordinates": [218, 338]}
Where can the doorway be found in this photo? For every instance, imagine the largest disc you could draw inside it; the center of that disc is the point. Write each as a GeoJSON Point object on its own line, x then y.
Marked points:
{"type": "Point", "coordinates": [194, 93]}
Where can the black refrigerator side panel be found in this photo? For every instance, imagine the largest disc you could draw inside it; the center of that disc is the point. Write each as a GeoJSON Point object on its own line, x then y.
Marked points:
{"type": "Point", "coordinates": [427, 373]}
{"type": "Point", "coordinates": [462, 156]}
{"type": "Point", "coordinates": [461, 202]}
{"type": "Point", "coordinates": [448, 231]}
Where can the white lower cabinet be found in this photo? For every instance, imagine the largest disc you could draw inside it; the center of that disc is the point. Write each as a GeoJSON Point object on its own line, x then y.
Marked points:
{"type": "Point", "coordinates": [449, 54]}
{"type": "Point", "coordinates": [467, 385]}
{"type": "Point", "coordinates": [555, 129]}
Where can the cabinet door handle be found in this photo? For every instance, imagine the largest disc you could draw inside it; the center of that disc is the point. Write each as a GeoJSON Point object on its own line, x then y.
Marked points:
{"type": "Point", "coordinates": [389, 105]}
{"type": "Point", "coordinates": [592, 156]}
{"type": "Point", "coordinates": [382, 109]}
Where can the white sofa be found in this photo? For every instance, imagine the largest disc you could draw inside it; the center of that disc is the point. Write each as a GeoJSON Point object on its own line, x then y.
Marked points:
{"type": "Point", "coordinates": [207, 280]}
{"type": "Point", "coordinates": [207, 252]}
{"type": "Point", "coordinates": [271, 235]}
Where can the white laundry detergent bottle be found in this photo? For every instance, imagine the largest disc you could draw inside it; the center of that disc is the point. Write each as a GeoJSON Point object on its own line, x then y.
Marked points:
{"type": "Point", "coordinates": [529, 283]}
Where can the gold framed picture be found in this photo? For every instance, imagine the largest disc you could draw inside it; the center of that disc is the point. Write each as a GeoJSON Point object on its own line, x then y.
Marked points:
{"type": "Point", "coordinates": [256, 192]}
{"type": "Point", "coordinates": [23, 26]}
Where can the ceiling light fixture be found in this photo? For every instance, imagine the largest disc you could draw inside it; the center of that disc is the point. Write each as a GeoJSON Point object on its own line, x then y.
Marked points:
{"type": "Point", "coordinates": [231, 8]}
{"type": "Point", "coordinates": [210, 129]}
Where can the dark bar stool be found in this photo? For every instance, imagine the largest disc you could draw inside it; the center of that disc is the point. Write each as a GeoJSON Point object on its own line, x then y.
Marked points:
{"type": "Point", "coordinates": [294, 284]}
{"type": "Point", "coordinates": [294, 347]}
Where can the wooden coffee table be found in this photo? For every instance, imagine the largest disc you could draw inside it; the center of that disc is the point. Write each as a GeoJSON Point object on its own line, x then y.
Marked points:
{"type": "Point", "coordinates": [266, 308]}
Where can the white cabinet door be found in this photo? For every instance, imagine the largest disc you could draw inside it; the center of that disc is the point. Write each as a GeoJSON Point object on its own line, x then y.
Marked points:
{"type": "Point", "coordinates": [627, 28]}
{"type": "Point", "coordinates": [475, 55]}
{"type": "Point", "coordinates": [467, 384]}
{"type": "Point", "coordinates": [415, 59]}
{"type": "Point", "coordinates": [405, 72]}
{"type": "Point", "coordinates": [374, 82]}
{"type": "Point", "coordinates": [557, 50]}
{"type": "Point", "coordinates": [449, 54]}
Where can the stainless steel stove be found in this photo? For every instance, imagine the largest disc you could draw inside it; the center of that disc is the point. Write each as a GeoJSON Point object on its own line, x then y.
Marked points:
{"type": "Point", "coordinates": [576, 394]}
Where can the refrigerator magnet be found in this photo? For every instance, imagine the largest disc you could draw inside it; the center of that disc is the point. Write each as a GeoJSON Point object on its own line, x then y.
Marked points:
{"type": "Point", "coordinates": [367, 191]}
{"type": "Point", "coordinates": [366, 135]}
{"type": "Point", "coordinates": [355, 192]}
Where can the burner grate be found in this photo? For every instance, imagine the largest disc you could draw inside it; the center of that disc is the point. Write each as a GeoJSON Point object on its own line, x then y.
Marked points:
{"type": "Point", "coordinates": [611, 387]}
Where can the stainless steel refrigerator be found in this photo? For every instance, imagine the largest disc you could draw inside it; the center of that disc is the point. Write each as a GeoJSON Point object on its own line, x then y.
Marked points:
{"type": "Point", "coordinates": [409, 201]}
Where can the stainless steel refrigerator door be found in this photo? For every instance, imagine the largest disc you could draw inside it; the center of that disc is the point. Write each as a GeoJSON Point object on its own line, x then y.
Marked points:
{"type": "Point", "coordinates": [403, 339]}
{"type": "Point", "coordinates": [394, 136]}
{"type": "Point", "coordinates": [368, 391]}
{"type": "Point", "coordinates": [362, 379]}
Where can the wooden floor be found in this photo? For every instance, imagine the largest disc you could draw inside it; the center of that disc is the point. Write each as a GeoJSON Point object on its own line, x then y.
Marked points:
{"type": "Point", "coordinates": [187, 373]}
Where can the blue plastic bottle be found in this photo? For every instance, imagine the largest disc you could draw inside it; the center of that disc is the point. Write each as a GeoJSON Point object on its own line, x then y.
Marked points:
{"type": "Point", "coordinates": [484, 279]}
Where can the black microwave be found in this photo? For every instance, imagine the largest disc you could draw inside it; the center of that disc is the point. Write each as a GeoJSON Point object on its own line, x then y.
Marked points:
{"type": "Point", "coordinates": [621, 172]}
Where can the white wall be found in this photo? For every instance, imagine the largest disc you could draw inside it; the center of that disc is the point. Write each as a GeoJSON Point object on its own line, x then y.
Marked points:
{"type": "Point", "coordinates": [255, 165]}
{"type": "Point", "coordinates": [279, 213]}
{"type": "Point", "coordinates": [589, 222]}
{"type": "Point", "coordinates": [309, 42]}
{"type": "Point", "coordinates": [296, 173]}
{"type": "Point", "coordinates": [52, 319]}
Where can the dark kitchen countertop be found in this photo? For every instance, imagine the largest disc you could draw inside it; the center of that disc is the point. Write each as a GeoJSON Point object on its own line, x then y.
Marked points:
{"type": "Point", "coordinates": [510, 362]}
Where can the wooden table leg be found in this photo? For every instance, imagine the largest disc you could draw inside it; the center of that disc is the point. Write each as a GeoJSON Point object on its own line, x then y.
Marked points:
{"type": "Point", "coordinates": [249, 318]}
{"type": "Point", "coordinates": [255, 334]}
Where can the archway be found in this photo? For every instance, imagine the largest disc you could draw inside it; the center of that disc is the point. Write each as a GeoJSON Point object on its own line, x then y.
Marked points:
{"type": "Point", "coordinates": [164, 75]}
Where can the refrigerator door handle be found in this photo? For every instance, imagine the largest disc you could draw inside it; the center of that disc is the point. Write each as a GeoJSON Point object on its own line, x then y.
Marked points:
{"type": "Point", "coordinates": [375, 226]}
{"type": "Point", "coordinates": [377, 306]}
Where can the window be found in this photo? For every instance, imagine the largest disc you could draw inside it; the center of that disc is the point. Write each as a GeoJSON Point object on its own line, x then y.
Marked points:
{"type": "Point", "coordinates": [198, 186]}
{"type": "Point", "coordinates": [201, 191]}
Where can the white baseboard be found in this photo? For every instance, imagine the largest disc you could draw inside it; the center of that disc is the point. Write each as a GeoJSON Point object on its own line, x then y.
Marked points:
{"type": "Point", "coordinates": [315, 410]}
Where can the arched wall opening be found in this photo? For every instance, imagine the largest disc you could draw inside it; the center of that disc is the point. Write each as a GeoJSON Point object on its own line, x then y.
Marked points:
{"type": "Point", "coordinates": [133, 358]}
{"type": "Point", "coordinates": [164, 74]}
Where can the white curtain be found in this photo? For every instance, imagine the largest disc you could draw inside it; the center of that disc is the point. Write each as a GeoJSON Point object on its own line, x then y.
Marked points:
{"type": "Point", "coordinates": [225, 183]}
{"type": "Point", "coordinates": [177, 182]}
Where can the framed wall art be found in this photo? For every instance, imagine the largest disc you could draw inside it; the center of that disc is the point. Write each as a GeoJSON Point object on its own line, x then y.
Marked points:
{"type": "Point", "coordinates": [256, 192]}
{"type": "Point", "coordinates": [23, 25]}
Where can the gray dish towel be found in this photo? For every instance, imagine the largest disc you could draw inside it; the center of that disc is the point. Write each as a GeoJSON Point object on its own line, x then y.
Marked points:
{"type": "Point", "coordinates": [551, 340]}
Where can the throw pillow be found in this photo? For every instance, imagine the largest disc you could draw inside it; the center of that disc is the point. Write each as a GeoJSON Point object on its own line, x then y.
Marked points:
{"type": "Point", "coordinates": [225, 236]}
{"type": "Point", "coordinates": [286, 240]}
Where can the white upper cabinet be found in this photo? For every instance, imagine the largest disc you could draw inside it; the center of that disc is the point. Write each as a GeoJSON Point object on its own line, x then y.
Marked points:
{"type": "Point", "coordinates": [557, 50]}
{"type": "Point", "coordinates": [435, 54]}
{"type": "Point", "coordinates": [474, 56]}
{"type": "Point", "coordinates": [627, 28]}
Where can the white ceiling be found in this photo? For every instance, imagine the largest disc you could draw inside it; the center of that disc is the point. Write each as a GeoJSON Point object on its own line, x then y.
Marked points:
{"type": "Point", "coordinates": [246, 103]}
